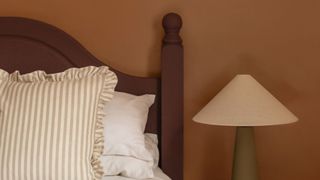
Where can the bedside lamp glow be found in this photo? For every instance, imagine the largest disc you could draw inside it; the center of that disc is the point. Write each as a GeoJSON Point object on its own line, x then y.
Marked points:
{"type": "Point", "coordinates": [244, 103]}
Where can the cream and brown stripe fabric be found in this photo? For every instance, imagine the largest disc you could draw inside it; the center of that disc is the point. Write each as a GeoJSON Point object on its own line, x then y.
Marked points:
{"type": "Point", "coordinates": [51, 124]}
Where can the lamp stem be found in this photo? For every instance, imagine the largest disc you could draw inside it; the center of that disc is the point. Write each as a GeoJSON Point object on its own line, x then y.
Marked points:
{"type": "Point", "coordinates": [244, 160]}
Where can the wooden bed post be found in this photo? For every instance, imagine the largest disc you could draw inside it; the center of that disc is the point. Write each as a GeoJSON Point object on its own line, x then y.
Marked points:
{"type": "Point", "coordinates": [172, 98]}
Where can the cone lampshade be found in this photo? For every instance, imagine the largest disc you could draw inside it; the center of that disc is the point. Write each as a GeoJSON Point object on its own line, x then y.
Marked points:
{"type": "Point", "coordinates": [244, 102]}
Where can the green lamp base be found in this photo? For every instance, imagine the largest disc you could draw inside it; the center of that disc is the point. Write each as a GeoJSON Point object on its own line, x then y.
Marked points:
{"type": "Point", "coordinates": [244, 158]}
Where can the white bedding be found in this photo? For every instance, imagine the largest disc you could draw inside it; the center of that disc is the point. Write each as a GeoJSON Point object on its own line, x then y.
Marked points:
{"type": "Point", "coordinates": [159, 175]}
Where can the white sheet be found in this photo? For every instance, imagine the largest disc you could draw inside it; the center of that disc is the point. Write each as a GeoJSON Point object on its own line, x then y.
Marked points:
{"type": "Point", "coordinates": [159, 175]}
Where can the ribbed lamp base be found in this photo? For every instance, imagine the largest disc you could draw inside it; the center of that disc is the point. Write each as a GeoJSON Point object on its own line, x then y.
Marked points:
{"type": "Point", "coordinates": [244, 160]}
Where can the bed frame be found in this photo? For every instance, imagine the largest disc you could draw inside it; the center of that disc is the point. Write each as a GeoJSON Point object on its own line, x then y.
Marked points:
{"type": "Point", "coordinates": [27, 45]}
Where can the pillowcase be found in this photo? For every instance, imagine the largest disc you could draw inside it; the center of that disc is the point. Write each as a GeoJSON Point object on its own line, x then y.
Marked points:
{"type": "Point", "coordinates": [151, 141]}
{"type": "Point", "coordinates": [51, 124]}
{"type": "Point", "coordinates": [127, 166]}
{"type": "Point", "coordinates": [124, 125]}
{"type": "Point", "coordinates": [132, 167]}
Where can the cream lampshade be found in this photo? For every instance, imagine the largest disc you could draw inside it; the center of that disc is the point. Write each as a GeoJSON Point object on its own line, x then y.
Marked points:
{"type": "Point", "coordinates": [244, 103]}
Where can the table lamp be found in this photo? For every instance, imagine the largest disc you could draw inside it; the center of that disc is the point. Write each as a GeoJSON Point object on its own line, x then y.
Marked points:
{"type": "Point", "coordinates": [244, 103]}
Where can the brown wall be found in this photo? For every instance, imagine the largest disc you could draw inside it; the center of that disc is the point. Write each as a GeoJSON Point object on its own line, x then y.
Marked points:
{"type": "Point", "coordinates": [277, 41]}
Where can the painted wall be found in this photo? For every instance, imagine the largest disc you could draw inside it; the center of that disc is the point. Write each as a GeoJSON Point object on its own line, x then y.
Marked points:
{"type": "Point", "coordinates": [277, 41]}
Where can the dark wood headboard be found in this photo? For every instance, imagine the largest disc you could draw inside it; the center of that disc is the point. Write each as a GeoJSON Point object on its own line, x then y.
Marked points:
{"type": "Point", "coordinates": [27, 45]}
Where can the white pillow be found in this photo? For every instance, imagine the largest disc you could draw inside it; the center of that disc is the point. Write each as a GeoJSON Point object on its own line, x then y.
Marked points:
{"type": "Point", "coordinates": [126, 166]}
{"type": "Point", "coordinates": [124, 125]}
{"type": "Point", "coordinates": [132, 167]}
{"type": "Point", "coordinates": [151, 141]}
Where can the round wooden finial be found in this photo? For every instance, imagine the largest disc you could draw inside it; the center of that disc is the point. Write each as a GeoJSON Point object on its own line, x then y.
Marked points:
{"type": "Point", "coordinates": [172, 21]}
{"type": "Point", "coordinates": [172, 24]}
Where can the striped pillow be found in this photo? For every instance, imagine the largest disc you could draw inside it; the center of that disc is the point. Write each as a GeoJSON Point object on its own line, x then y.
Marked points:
{"type": "Point", "coordinates": [51, 124]}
